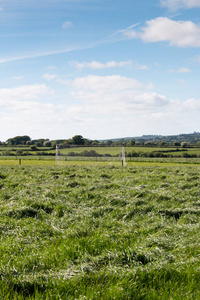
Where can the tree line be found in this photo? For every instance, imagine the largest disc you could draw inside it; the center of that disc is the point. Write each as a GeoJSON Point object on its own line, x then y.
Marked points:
{"type": "Point", "coordinates": [182, 140]}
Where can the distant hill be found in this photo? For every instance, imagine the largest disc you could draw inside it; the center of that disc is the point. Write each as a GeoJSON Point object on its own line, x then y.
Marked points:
{"type": "Point", "coordinates": [191, 138]}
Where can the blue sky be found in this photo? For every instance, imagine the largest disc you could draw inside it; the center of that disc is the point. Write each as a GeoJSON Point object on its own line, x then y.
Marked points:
{"type": "Point", "coordinates": [100, 68]}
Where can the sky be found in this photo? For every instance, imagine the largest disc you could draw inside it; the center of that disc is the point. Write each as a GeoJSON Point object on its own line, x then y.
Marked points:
{"type": "Point", "coordinates": [99, 68]}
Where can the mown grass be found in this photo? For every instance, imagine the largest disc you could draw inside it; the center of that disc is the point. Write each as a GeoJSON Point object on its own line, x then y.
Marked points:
{"type": "Point", "coordinates": [99, 232]}
{"type": "Point", "coordinates": [112, 150]}
{"type": "Point", "coordinates": [100, 161]}
{"type": "Point", "coordinates": [117, 150]}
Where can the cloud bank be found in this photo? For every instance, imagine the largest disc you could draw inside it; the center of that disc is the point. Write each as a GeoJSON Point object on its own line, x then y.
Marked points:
{"type": "Point", "coordinates": [89, 103]}
{"type": "Point", "coordinates": [118, 94]}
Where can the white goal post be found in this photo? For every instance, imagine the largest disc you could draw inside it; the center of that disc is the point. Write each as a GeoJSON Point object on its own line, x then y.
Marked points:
{"type": "Point", "coordinates": [123, 157]}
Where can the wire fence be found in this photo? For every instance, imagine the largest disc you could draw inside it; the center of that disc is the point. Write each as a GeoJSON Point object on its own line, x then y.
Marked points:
{"type": "Point", "coordinates": [65, 159]}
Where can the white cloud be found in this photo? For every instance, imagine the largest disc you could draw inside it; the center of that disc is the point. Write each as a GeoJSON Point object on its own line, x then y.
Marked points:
{"type": "Point", "coordinates": [22, 110]}
{"type": "Point", "coordinates": [191, 105]}
{"type": "Point", "coordinates": [131, 34]}
{"type": "Point", "coordinates": [177, 33]}
{"type": "Point", "coordinates": [181, 70]}
{"type": "Point", "coordinates": [67, 24]}
{"type": "Point", "coordinates": [95, 65]}
{"type": "Point", "coordinates": [93, 106]}
{"type": "Point", "coordinates": [176, 4]}
{"type": "Point", "coordinates": [113, 94]}
{"type": "Point", "coordinates": [184, 70]}
{"type": "Point", "coordinates": [49, 76]}
{"type": "Point", "coordinates": [1, 8]}
{"type": "Point", "coordinates": [17, 77]}
{"type": "Point", "coordinates": [99, 65]}
{"type": "Point", "coordinates": [103, 83]}
{"type": "Point", "coordinates": [16, 98]}
{"type": "Point", "coordinates": [141, 67]}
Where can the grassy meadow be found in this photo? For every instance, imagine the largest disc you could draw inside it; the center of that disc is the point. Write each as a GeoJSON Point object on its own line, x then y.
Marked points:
{"type": "Point", "coordinates": [117, 150]}
{"type": "Point", "coordinates": [100, 231]}
{"type": "Point", "coordinates": [112, 150]}
{"type": "Point", "coordinates": [102, 155]}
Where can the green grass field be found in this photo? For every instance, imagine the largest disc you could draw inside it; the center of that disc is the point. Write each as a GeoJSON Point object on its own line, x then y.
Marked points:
{"type": "Point", "coordinates": [113, 150]}
{"type": "Point", "coordinates": [100, 231]}
{"type": "Point", "coordinates": [100, 154]}
{"type": "Point", "coordinates": [110, 161]}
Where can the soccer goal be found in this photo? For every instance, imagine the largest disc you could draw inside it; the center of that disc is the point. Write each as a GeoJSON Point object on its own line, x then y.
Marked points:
{"type": "Point", "coordinates": [60, 157]}
{"type": "Point", "coordinates": [123, 157]}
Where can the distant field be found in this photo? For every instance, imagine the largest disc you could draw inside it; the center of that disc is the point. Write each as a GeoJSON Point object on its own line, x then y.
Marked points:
{"type": "Point", "coordinates": [111, 161]}
{"type": "Point", "coordinates": [117, 150]}
{"type": "Point", "coordinates": [104, 161]}
{"type": "Point", "coordinates": [100, 231]}
{"type": "Point", "coordinates": [105, 150]}
{"type": "Point", "coordinates": [111, 150]}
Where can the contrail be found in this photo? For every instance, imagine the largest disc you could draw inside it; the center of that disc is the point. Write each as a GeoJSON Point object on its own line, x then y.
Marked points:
{"type": "Point", "coordinates": [37, 55]}
{"type": "Point", "coordinates": [57, 52]}
{"type": "Point", "coordinates": [122, 31]}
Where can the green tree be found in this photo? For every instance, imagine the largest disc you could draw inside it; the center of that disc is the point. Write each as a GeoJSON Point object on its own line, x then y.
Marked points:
{"type": "Point", "coordinates": [47, 144]}
{"type": "Point", "coordinates": [39, 144]}
{"type": "Point", "coordinates": [19, 152]}
{"type": "Point", "coordinates": [131, 143]}
{"type": "Point", "coordinates": [95, 143]}
{"type": "Point", "coordinates": [6, 153]}
{"type": "Point", "coordinates": [177, 144]}
{"type": "Point", "coordinates": [19, 140]}
{"type": "Point", "coordinates": [33, 148]}
{"type": "Point", "coordinates": [108, 143]}
{"type": "Point", "coordinates": [78, 140]}
{"type": "Point", "coordinates": [184, 144]}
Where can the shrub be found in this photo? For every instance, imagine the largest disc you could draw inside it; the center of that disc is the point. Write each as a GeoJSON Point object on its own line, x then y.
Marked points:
{"type": "Point", "coordinates": [33, 148]}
